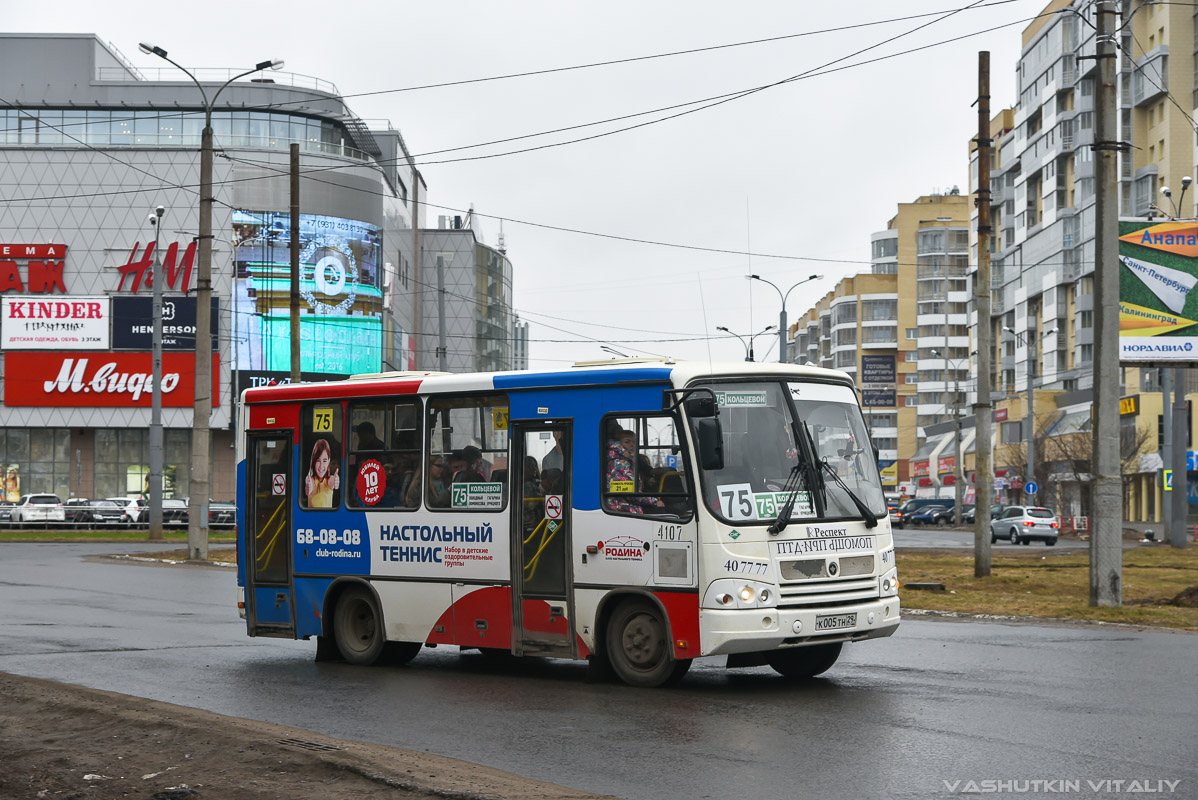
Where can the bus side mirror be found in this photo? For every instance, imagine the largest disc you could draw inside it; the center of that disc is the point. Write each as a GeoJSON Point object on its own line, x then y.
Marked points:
{"type": "Point", "coordinates": [711, 443]}
{"type": "Point", "coordinates": [700, 407]}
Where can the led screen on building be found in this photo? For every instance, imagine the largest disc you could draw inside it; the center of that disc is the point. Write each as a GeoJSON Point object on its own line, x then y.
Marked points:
{"type": "Point", "coordinates": [341, 300]}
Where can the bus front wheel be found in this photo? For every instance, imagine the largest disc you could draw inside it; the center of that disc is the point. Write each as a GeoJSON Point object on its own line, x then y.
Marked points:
{"type": "Point", "coordinates": [804, 662]}
{"type": "Point", "coordinates": [639, 647]}
{"type": "Point", "coordinates": [358, 627]}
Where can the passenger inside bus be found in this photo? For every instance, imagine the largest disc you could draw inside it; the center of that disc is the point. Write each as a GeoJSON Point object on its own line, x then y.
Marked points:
{"type": "Point", "coordinates": [621, 476]}
{"type": "Point", "coordinates": [438, 485]}
{"type": "Point", "coordinates": [367, 439]}
{"type": "Point", "coordinates": [472, 458]}
{"type": "Point", "coordinates": [554, 459]}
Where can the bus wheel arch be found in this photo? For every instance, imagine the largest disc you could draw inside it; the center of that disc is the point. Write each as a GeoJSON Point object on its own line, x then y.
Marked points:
{"type": "Point", "coordinates": [353, 620]}
{"type": "Point", "coordinates": [633, 635]}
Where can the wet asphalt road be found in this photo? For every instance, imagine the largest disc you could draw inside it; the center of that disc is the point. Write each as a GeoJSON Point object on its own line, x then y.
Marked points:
{"type": "Point", "coordinates": [940, 701]}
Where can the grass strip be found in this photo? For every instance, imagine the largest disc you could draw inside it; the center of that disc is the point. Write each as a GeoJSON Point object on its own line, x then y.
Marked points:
{"type": "Point", "coordinates": [1054, 584]}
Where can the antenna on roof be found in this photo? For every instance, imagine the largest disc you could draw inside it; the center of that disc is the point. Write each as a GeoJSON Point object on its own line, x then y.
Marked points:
{"type": "Point", "coordinates": [502, 245]}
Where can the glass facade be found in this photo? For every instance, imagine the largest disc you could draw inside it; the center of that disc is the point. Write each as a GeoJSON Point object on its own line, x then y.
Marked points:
{"type": "Point", "coordinates": [159, 128]}
{"type": "Point", "coordinates": [122, 462]}
{"type": "Point", "coordinates": [35, 461]}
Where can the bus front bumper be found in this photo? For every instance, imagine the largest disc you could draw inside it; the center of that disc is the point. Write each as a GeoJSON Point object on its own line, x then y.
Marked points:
{"type": "Point", "coordinates": [750, 630]}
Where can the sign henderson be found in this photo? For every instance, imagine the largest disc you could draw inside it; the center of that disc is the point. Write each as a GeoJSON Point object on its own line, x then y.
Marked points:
{"type": "Point", "coordinates": [43, 268]}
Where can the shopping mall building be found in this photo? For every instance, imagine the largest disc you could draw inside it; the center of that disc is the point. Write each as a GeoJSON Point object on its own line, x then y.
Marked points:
{"type": "Point", "coordinates": [89, 145]}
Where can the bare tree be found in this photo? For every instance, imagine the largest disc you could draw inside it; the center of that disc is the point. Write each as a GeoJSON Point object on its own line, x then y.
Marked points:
{"type": "Point", "coordinates": [1070, 455]}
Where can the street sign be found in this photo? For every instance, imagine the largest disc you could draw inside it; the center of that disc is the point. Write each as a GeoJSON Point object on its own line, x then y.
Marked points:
{"type": "Point", "coordinates": [1030, 487]}
{"type": "Point", "coordinates": [1168, 480]}
{"type": "Point", "coordinates": [672, 462]}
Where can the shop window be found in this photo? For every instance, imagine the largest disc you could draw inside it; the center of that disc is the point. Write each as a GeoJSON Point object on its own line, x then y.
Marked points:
{"type": "Point", "coordinates": [35, 461]}
{"type": "Point", "coordinates": [122, 462]}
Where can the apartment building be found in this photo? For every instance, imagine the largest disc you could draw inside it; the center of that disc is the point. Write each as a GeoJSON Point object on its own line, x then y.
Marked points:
{"type": "Point", "coordinates": [1042, 251]}
{"type": "Point", "coordinates": [910, 359]}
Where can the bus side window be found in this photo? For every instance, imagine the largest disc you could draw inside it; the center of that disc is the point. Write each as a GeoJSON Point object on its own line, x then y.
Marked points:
{"type": "Point", "coordinates": [643, 471]}
{"type": "Point", "coordinates": [469, 437]}
{"type": "Point", "coordinates": [320, 475]}
{"type": "Point", "coordinates": [384, 453]}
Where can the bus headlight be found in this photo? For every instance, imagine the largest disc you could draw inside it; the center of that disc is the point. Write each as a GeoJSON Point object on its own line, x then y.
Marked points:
{"type": "Point", "coordinates": [888, 584]}
{"type": "Point", "coordinates": [733, 593]}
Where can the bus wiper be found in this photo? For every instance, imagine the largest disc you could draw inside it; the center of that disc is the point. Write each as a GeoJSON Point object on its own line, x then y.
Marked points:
{"type": "Point", "coordinates": [871, 521]}
{"type": "Point", "coordinates": [790, 489]}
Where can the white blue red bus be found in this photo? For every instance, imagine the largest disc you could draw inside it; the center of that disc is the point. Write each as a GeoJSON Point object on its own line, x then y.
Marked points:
{"type": "Point", "coordinates": [641, 514]}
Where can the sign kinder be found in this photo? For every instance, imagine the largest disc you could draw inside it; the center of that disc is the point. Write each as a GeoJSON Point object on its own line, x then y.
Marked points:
{"type": "Point", "coordinates": [43, 264]}
{"type": "Point", "coordinates": [28, 322]}
{"type": "Point", "coordinates": [107, 380]}
{"type": "Point", "coordinates": [177, 273]}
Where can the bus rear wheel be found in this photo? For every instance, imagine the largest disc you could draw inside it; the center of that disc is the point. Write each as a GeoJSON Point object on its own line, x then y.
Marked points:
{"type": "Point", "coordinates": [358, 627]}
{"type": "Point", "coordinates": [804, 662]}
{"type": "Point", "coordinates": [639, 649]}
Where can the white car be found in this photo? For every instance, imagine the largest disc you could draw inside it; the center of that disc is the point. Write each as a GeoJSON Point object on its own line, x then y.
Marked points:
{"type": "Point", "coordinates": [132, 507]}
{"type": "Point", "coordinates": [38, 508]}
{"type": "Point", "coordinates": [1022, 524]}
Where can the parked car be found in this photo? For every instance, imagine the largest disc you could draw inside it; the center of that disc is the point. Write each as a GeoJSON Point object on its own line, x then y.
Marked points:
{"type": "Point", "coordinates": [220, 515]}
{"type": "Point", "coordinates": [106, 512]}
{"type": "Point", "coordinates": [130, 506]}
{"type": "Point", "coordinates": [946, 516]}
{"type": "Point", "coordinates": [1022, 524]}
{"type": "Point", "coordinates": [925, 515]}
{"type": "Point", "coordinates": [38, 508]}
{"type": "Point", "coordinates": [900, 517]}
{"type": "Point", "coordinates": [76, 509]}
{"type": "Point", "coordinates": [6, 511]}
{"type": "Point", "coordinates": [968, 515]}
{"type": "Point", "coordinates": [174, 511]}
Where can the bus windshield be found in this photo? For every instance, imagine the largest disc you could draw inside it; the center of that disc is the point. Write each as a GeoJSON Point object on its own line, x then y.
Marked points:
{"type": "Point", "coordinates": [776, 430]}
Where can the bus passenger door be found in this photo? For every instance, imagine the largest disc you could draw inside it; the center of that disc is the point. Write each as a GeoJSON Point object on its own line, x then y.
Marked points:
{"type": "Point", "coordinates": [269, 607]}
{"type": "Point", "coordinates": [542, 608]}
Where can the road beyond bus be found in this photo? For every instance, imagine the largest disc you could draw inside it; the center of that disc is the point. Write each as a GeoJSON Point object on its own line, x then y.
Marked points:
{"type": "Point", "coordinates": [61, 740]}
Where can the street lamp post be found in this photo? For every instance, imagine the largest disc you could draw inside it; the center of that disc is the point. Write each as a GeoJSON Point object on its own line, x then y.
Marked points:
{"type": "Point", "coordinates": [1032, 342]}
{"type": "Point", "coordinates": [959, 458]}
{"type": "Point", "coordinates": [198, 491]}
{"type": "Point", "coordinates": [156, 393]}
{"type": "Point", "coordinates": [782, 314]}
{"type": "Point", "coordinates": [749, 344]}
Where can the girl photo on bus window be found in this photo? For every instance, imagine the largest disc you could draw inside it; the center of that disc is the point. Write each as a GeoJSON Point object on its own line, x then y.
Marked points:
{"type": "Point", "coordinates": [320, 467]}
{"type": "Point", "coordinates": [323, 479]}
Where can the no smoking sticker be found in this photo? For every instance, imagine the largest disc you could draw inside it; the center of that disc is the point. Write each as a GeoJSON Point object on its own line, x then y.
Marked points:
{"type": "Point", "coordinates": [278, 484]}
{"type": "Point", "coordinates": [553, 506]}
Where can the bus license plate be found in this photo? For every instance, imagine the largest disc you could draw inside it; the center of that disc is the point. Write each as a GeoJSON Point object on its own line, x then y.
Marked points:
{"type": "Point", "coordinates": [834, 622]}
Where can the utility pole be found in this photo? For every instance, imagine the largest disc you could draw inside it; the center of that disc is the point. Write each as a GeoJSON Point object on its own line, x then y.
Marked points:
{"type": "Point", "coordinates": [983, 412]}
{"type": "Point", "coordinates": [1033, 347]}
{"type": "Point", "coordinates": [441, 313]}
{"type": "Point", "coordinates": [1181, 434]}
{"type": "Point", "coordinates": [1167, 448]}
{"type": "Point", "coordinates": [1106, 539]}
{"type": "Point", "coordinates": [156, 401]}
{"type": "Point", "coordinates": [295, 265]}
{"type": "Point", "coordinates": [201, 434]}
{"type": "Point", "coordinates": [959, 461]}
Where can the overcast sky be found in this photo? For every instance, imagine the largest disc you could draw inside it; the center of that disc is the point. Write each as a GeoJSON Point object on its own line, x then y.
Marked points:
{"type": "Point", "coordinates": [806, 169]}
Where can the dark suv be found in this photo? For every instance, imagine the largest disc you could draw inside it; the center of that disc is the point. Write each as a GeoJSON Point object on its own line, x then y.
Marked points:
{"type": "Point", "coordinates": [899, 517]}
